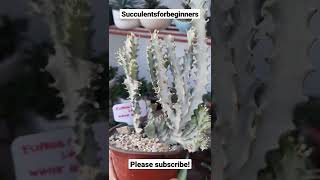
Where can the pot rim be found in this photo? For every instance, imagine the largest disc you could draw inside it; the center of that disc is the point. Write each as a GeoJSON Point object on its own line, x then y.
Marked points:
{"type": "Point", "coordinates": [111, 147]}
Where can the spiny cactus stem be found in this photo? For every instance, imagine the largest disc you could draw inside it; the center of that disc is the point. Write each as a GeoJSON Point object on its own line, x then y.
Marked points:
{"type": "Point", "coordinates": [127, 58]}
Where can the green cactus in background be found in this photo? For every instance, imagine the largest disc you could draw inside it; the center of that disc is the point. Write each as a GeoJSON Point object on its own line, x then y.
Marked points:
{"type": "Point", "coordinates": [290, 161]}
{"type": "Point", "coordinates": [183, 119]}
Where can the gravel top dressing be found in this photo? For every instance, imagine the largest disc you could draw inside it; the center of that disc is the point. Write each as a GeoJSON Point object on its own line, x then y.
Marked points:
{"type": "Point", "coordinates": [126, 140]}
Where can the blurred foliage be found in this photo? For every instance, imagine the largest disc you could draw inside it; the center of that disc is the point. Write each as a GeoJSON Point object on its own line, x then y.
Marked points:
{"type": "Point", "coordinates": [125, 4]}
{"type": "Point", "coordinates": [97, 93]}
{"type": "Point", "coordinates": [147, 90]}
{"type": "Point", "coordinates": [290, 159]}
{"type": "Point", "coordinates": [308, 113]}
{"type": "Point", "coordinates": [28, 90]}
{"type": "Point", "coordinates": [153, 4]}
{"type": "Point", "coordinates": [207, 97]}
{"type": "Point", "coordinates": [295, 146]}
{"type": "Point", "coordinates": [78, 31]}
{"type": "Point", "coordinates": [118, 90]}
{"type": "Point", "coordinates": [186, 4]}
{"type": "Point", "coordinates": [101, 84]}
{"type": "Point", "coordinates": [11, 35]}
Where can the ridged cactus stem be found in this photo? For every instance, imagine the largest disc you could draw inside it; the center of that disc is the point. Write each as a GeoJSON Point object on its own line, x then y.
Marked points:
{"type": "Point", "coordinates": [235, 84]}
{"type": "Point", "coordinates": [68, 23]}
{"type": "Point", "coordinates": [178, 81]}
{"type": "Point", "coordinates": [188, 122]}
{"type": "Point", "coordinates": [200, 64]}
{"type": "Point", "coordinates": [127, 58]}
{"type": "Point", "coordinates": [290, 64]}
{"type": "Point", "coordinates": [249, 125]}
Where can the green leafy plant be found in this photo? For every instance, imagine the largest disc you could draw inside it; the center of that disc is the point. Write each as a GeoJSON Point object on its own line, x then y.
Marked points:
{"type": "Point", "coordinates": [29, 90]}
{"type": "Point", "coordinates": [125, 4]}
{"type": "Point", "coordinates": [118, 88]}
{"type": "Point", "coordinates": [153, 4]}
{"type": "Point", "coordinates": [24, 86]}
{"type": "Point", "coordinates": [291, 160]}
{"type": "Point", "coordinates": [186, 4]}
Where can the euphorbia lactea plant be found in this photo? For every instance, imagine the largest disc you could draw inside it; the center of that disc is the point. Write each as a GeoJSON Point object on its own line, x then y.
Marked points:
{"type": "Point", "coordinates": [68, 23]}
{"type": "Point", "coordinates": [261, 61]}
{"type": "Point", "coordinates": [184, 119]}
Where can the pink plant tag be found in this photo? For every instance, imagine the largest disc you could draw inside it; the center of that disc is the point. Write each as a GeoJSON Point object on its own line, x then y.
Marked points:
{"type": "Point", "coordinates": [123, 112]}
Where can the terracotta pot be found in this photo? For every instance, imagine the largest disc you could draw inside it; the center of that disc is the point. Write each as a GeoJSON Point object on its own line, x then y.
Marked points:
{"type": "Point", "coordinates": [124, 23]}
{"type": "Point", "coordinates": [153, 24]}
{"type": "Point", "coordinates": [121, 157]}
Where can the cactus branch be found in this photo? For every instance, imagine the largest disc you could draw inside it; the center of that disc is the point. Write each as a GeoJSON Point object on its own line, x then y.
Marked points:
{"type": "Point", "coordinates": [127, 58]}
{"type": "Point", "coordinates": [68, 24]}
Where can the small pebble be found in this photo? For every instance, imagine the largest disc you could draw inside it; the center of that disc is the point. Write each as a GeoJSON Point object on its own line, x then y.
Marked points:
{"type": "Point", "coordinates": [138, 142]}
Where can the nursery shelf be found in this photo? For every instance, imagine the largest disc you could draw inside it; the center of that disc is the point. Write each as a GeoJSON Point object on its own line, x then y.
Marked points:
{"type": "Point", "coordinates": [145, 33]}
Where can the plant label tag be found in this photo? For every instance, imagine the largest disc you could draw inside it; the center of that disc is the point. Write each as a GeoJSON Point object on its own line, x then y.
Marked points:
{"type": "Point", "coordinates": [51, 156]}
{"type": "Point", "coordinates": [123, 112]}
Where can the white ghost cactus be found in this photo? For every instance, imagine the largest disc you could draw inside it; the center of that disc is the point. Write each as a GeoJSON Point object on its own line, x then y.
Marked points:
{"type": "Point", "coordinates": [184, 121]}
{"type": "Point", "coordinates": [68, 23]}
{"type": "Point", "coordinates": [127, 58]}
{"type": "Point", "coordinates": [252, 111]}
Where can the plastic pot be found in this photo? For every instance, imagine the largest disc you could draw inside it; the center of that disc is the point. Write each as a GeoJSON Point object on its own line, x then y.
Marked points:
{"type": "Point", "coordinates": [153, 24]}
{"type": "Point", "coordinates": [183, 26]}
{"type": "Point", "coordinates": [124, 23]}
{"type": "Point", "coordinates": [121, 157]}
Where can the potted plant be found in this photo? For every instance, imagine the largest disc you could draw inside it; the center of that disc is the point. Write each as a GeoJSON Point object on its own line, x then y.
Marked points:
{"type": "Point", "coordinates": [153, 24]}
{"type": "Point", "coordinates": [124, 4]}
{"type": "Point", "coordinates": [183, 125]}
{"type": "Point", "coordinates": [184, 24]}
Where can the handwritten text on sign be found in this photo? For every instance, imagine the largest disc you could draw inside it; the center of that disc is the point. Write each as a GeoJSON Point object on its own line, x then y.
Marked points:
{"type": "Point", "coordinates": [123, 112]}
{"type": "Point", "coordinates": [50, 156]}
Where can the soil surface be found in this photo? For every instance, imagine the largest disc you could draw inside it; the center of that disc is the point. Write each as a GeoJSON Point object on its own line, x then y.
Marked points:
{"type": "Point", "coordinates": [126, 139]}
